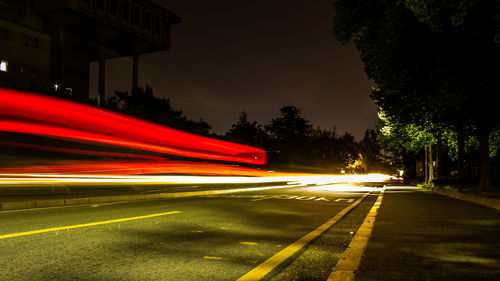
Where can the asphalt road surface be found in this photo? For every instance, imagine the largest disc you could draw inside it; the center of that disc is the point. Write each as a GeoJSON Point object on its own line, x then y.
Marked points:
{"type": "Point", "coordinates": [220, 237]}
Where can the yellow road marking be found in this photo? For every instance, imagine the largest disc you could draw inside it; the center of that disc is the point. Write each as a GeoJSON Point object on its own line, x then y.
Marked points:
{"type": "Point", "coordinates": [214, 258]}
{"type": "Point", "coordinates": [5, 236]}
{"type": "Point", "coordinates": [197, 231]}
{"type": "Point", "coordinates": [259, 253]}
{"type": "Point", "coordinates": [93, 205]}
{"type": "Point", "coordinates": [349, 261]}
{"type": "Point", "coordinates": [248, 243]}
{"type": "Point", "coordinates": [229, 259]}
{"type": "Point", "coordinates": [267, 266]}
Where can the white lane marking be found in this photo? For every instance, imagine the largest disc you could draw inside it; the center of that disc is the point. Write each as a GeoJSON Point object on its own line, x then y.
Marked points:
{"type": "Point", "coordinates": [260, 197]}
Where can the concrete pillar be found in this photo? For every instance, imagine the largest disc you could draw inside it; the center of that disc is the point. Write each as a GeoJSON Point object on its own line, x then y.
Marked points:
{"type": "Point", "coordinates": [62, 56]}
{"type": "Point", "coordinates": [102, 80]}
{"type": "Point", "coordinates": [135, 72]}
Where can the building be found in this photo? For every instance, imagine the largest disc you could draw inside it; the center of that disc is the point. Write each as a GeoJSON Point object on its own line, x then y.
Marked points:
{"type": "Point", "coordinates": [47, 46]}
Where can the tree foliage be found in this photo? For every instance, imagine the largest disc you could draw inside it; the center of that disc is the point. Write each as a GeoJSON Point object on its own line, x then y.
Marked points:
{"type": "Point", "coordinates": [292, 142]}
{"type": "Point", "coordinates": [436, 63]}
{"type": "Point", "coordinates": [289, 135]}
{"type": "Point", "coordinates": [246, 132]}
{"type": "Point", "coordinates": [141, 103]}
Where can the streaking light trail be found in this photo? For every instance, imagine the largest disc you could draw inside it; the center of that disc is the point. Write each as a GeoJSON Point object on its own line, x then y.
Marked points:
{"type": "Point", "coordinates": [46, 116]}
{"type": "Point", "coordinates": [41, 115]}
{"type": "Point", "coordinates": [44, 179]}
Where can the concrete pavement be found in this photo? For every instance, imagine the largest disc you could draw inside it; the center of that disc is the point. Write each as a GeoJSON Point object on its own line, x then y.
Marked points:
{"type": "Point", "coordinates": [420, 235]}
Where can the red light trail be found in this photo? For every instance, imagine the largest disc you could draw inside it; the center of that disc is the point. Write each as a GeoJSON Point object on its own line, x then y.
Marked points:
{"type": "Point", "coordinates": [41, 115]}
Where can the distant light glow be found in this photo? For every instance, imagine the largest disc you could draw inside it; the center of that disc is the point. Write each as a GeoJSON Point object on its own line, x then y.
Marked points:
{"type": "Point", "coordinates": [3, 65]}
{"type": "Point", "coordinates": [341, 187]}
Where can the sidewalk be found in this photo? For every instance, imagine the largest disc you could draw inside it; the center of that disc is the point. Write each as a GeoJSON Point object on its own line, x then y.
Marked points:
{"type": "Point", "coordinates": [421, 235]}
{"type": "Point", "coordinates": [491, 200]}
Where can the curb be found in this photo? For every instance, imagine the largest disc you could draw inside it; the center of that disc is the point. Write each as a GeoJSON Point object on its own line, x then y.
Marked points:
{"type": "Point", "coordinates": [19, 205]}
{"type": "Point", "coordinates": [488, 202]}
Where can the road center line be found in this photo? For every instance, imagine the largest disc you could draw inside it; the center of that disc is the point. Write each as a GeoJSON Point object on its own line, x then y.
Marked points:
{"type": "Point", "coordinates": [84, 225]}
{"type": "Point", "coordinates": [349, 261]}
{"type": "Point", "coordinates": [267, 266]}
{"type": "Point", "coordinates": [60, 207]}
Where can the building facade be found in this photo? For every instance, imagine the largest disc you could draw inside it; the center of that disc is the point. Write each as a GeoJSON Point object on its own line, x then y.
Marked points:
{"type": "Point", "coordinates": [47, 46]}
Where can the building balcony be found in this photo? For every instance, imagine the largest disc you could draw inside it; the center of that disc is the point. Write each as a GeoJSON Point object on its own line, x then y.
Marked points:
{"type": "Point", "coordinates": [129, 26]}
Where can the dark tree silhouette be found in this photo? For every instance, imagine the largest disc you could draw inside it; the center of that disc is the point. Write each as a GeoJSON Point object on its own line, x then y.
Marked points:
{"type": "Point", "coordinates": [141, 103]}
{"type": "Point", "coordinates": [290, 136]}
{"type": "Point", "coordinates": [370, 148]}
{"type": "Point", "coordinates": [249, 133]}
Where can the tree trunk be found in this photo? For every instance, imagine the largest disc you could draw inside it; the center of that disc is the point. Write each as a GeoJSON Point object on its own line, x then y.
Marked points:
{"type": "Point", "coordinates": [483, 134]}
{"type": "Point", "coordinates": [439, 159]}
{"type": "Point", "coordinates": [426, 166]}
{"type": "Point", "coordinates": [460, 151]}
{"type": "Point", "coordinates": [431, 166]}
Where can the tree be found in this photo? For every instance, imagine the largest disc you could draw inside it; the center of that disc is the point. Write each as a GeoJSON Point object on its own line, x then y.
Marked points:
{"type": "Point", "coordinates": [141, 103]}
{"type": "Point", "coordinates": [434, 65]}
{"type": "Point", "coordinates": [471, 62]}
{"type": "Point", "coordinates": [370, 148]}
{"type": "Point", "coordinates": [405, 141]}
{"type": "Point", "coordinates": [246, 132]}
{"type": "Point", "coordinates": [289, 134]}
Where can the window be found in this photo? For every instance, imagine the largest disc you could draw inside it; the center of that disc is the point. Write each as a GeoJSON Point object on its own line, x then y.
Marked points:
{"type": "Point", "coordinates": [147, 21]}
{"type": "Point", "coordinates": [113, 7]}
{"type": "Point", "coordinates": [30, 41]}
{"type": "Point", "coordinates": [126, 11]}
{"type": "Point", "coordinates": [34, 42]}
{"type": "Point", "coordinates": [157, 26]}
{"type": "Point", "coordinates": [137, 16]}
{"type": "Point", "coordinates": [4, 33]}
{"type": "Point", "coordinates": [4, 65]}
{"type": "Point", "coordinates": [26, 40]}
{"type": "Point", "coordinates": [166, 32]}
{"type": "Point", "coordinates": [99, 4]}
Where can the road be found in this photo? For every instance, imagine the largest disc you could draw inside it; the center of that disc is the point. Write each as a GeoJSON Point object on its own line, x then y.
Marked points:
{"type": "Point", "coordinates": [220, 237]}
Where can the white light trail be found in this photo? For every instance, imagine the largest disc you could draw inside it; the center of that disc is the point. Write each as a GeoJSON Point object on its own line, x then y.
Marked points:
{"type": "Point", "coordinates": [41, 179]}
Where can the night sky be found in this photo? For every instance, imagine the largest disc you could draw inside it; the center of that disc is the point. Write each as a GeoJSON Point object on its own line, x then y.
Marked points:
{"type": "Point", "coordinates": [228, 56]}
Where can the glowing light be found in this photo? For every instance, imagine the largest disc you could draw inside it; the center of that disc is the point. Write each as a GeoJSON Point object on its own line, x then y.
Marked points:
{"type": "Point", "coordinates": [78, 151]}
{"type": "Point", "coordinates": [342, 188]}
{"type": "Point", "coordinates": [3, 65]}
{"type": "Point", "coordinates": [302, 180]}
{"type": "Point", "coordinates": [109, 168]}
{"type": "Point", "coordinates": [42, 115]}
{"type": "Point", "coordinates": [56, 86]}
{"type": "Point", "coordinates": [386, 130]}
